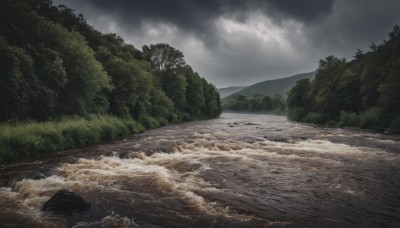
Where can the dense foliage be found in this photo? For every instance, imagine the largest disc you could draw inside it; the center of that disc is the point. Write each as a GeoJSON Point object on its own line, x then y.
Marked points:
{"type": "Point", "coordinates": [364, 92]}
{"type": "Point", "coordinates": [256, 104]}
{"type": "Point", "coordinates": [53, 64]}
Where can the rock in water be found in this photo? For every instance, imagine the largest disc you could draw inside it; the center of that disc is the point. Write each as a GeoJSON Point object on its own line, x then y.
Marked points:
{"type": "Point", "coordinates": [66, 202]}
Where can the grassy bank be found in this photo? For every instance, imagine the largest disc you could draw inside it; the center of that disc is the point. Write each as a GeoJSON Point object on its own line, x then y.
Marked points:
{"type": "Point", "coordinates": [27, 139]}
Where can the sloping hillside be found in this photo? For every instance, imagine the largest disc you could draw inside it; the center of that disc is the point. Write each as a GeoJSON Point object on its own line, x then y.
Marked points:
{"type": "Point", "coordinates": [271, 87]}
{"type": "Point", "coordinates": [224, 92]}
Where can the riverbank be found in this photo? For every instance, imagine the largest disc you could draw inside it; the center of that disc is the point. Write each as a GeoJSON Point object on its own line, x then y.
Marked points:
{"type": "Point", "coordinates": [370, 120]}
{"type": "Point", "coordinates": [275, 112]}
{"type": "Point", "coordinates": [20, 140]}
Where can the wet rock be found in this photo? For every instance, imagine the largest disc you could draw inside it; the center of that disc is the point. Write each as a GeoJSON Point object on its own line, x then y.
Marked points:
{"type": "Point", "coordinates": [3, 182]}
{"type": "Point", "coordinates": [66, 202]}
{"type": "Point", "coordinates": [36, 176]}
{"type": "Point", "coordinates": [124, 154]}
{"type": "Point", "coordinates": [252, 124]}
{"type": "Point", "coordinates": [284, 140]}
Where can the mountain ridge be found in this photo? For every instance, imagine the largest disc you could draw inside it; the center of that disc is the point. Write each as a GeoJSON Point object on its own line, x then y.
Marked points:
{"type": "Point", "coordinates": [271, 87]}
{"type": "Point", "coordinates": [224, 92]}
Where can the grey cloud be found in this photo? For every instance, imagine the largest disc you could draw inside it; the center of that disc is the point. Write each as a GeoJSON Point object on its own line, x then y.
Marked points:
{"type": "Point", "coordinates": [353, 24]}
{"type": "Point", "coordinates": [311, 30]}
{"type": "Point", "coordinates": [188, 15]}
{"type": "Point", "coordinates": [307, 11]}
{"type": "Point", "coordinates": [198, 16]}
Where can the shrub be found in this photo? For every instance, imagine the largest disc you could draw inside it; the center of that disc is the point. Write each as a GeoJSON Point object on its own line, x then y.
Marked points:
{"type": "Point", "coordinates": [372, 119]}
{"type": "Point", "coordinates": [133, 126]}
{"type": "Point", "coordinates": [313, 117]}
{"type": "Point", "coordinates": [349, 119]}
{"type": "Point", "coordinates": [394, 124]}
{"type": "Point", "coordinates": [162, 121]}
{"type": "Point", "coordinates": [297, 114]}
{"type": "Point", "coordinates": [149, 122]}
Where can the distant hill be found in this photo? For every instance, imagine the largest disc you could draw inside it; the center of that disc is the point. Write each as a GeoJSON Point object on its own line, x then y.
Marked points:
{"type": "Point", "coordinates": [270, 87]}
{"type": "Point", "coordinates": [224, 92]}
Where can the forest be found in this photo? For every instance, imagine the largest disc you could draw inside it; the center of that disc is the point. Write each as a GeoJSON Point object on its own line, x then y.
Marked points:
{"type": "Point", "coordinates": [256, 104]}
{"type": "Point", "coordinates": [364, 92]}
{"type": "Point", "coordinates": [64, 84]}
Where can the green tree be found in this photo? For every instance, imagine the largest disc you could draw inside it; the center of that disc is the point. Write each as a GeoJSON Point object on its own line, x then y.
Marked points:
{"type": "Point", "coordinates": [163, 56]}
{"type": "Point", "coordinates": [19, 84]}
{"type": "Point", "coordinates": [389, 90]}
{"type": "Point", "coordinates": [300, 100]}
{"type": "Point", "coordinates": [326, 81]}
{"type": "Point", "coordinates": [212, 100]}
{"type": "Point", "coordinates": [195, 101]}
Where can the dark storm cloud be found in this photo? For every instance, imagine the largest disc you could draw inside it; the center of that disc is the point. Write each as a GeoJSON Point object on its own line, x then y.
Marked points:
{"type": "Point", "coordinates": [307, 11]}
{"type": "Point", "coordinates": [188, 15]}
{"type": "Point", "coordinates": [198, 16]}
{"type": "Point", "coordinates": [239, 42]}
{"type": "Point", "coordinates": [354, 24]}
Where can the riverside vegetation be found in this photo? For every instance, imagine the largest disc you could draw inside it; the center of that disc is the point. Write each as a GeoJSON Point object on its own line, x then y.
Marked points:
{"type": "Point", "coordinates": [364, 92]}
{"type": "Point", "coordinates": [64, 84]}
{"type": "Point", "coordinates": [256, 104]}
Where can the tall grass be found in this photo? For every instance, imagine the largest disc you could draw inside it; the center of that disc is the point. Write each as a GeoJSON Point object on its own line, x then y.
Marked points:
{"type": "Point", "coordinates": [24, 139]}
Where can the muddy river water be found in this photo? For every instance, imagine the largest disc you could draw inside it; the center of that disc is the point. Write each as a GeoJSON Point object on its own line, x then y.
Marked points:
{"type": "Point", "coordinates": [235, 171]}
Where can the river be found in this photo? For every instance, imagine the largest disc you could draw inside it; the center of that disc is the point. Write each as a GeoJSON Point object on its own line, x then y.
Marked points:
{"type": "Point", "coordinates": [235, 171]}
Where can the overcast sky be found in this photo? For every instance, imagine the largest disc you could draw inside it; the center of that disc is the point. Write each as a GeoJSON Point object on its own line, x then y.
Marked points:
{"type": "Point", "coordinates": [241, 42]}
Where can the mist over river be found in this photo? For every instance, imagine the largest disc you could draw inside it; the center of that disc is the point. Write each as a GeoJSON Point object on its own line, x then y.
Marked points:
{"type": "Point", "coordinates": [238, 170]}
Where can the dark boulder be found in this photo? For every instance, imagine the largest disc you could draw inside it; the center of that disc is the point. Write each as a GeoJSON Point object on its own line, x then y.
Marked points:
{"type": "Point", "coordinates": [35, 176]}
{"type": "Point", "coordinates": [66, 202]}
{"type": "Point", "coordinates": [252, 124]}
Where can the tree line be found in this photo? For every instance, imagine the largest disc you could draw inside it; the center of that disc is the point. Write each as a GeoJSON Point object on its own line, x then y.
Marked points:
{"type": "Point", "coordinates": [53, 64]}
{"type": "Point", "coordinates": [364, 92]}
{"type": "Point", "coordinates": [256, 104]}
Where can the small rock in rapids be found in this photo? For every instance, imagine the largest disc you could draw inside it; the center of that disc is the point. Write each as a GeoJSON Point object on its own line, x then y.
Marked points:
{"type": "Point", "coordinates": [66, 202]}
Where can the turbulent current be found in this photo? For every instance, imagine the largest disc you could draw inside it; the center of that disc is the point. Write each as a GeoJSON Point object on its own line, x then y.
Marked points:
{"type": "Point", "coordinates": [235, 171]}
